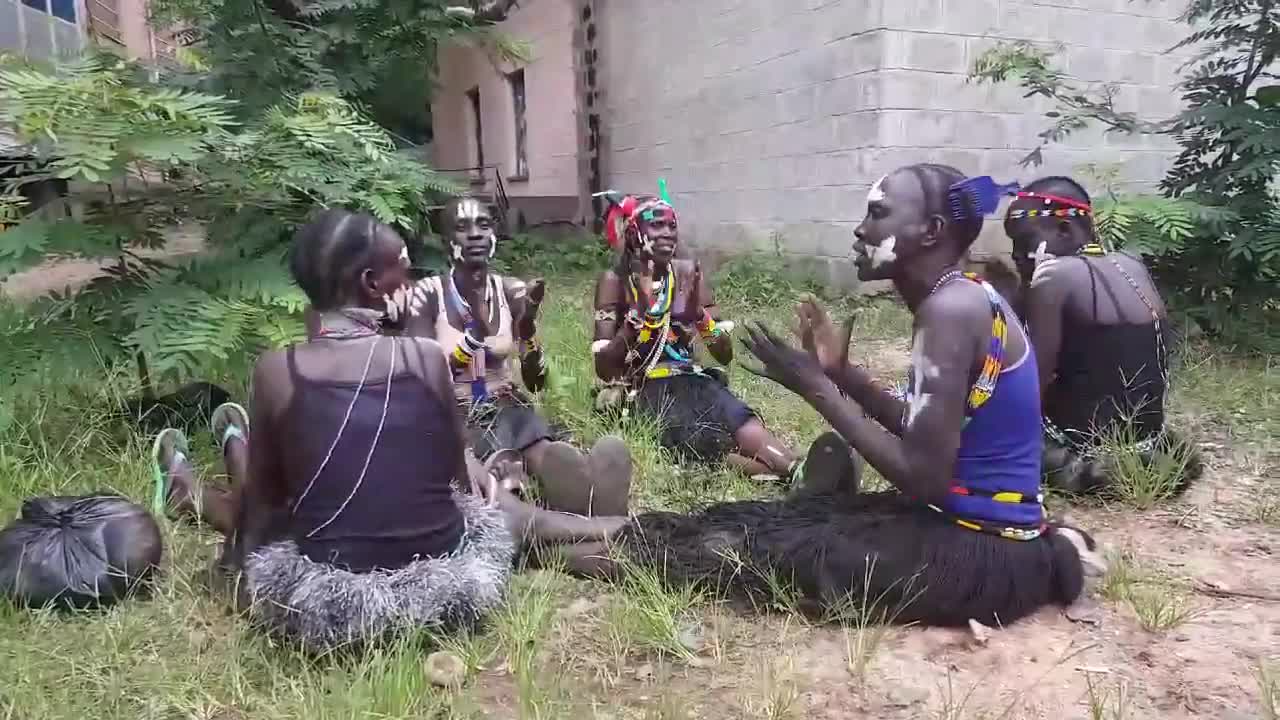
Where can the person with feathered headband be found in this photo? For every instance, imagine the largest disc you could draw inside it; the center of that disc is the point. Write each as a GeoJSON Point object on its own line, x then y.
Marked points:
{"type": "Point", "coordinates": [650, 309]}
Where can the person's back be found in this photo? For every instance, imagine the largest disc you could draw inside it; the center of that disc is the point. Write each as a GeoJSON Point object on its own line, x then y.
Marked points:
{"type": "Point", "coordinates": [366, 468]}
{"type": "Point", "coordinates": [1098, 324]}
{"type": "Point", "coordinates": [1111, 367]}
{"type": "Point", "coordinates": [1095, 316]}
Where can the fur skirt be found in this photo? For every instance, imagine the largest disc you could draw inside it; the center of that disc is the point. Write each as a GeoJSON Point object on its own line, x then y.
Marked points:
{"type": "Point", "coordinates": [877, 553]}
{"type": "Point", "coordinates": [323, 607]}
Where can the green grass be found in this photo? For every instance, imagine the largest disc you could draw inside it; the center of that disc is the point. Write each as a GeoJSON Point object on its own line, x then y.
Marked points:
{"type": "Point", "coordinates": [1158, 603]}
{"type": "Point", "coordinates": [183, 654]}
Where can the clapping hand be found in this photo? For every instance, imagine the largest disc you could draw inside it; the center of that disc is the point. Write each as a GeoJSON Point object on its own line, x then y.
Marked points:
{"type": "Point", "coordinates": [537, 290]}
{"type": "Point", "coordinates": [642, 279]}
{"type": "Point", "coordinates": [792, 368]}
{"type": "Point", "coordinates": [819, 336]}
{"type": "Point", "coordinates": [409, 301]}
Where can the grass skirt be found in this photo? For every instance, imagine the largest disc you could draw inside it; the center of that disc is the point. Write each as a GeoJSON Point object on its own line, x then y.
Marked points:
{"type": "Point", "coordinates": [322, 606]}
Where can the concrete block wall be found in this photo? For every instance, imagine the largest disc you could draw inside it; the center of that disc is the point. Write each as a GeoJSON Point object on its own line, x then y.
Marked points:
{"type": "Point", "coordinates": [771, 118]}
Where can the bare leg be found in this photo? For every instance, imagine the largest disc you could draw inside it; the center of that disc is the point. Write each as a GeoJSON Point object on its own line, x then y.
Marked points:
{"type": "Point", "coordinates": [594, 484]}
{"type": "Point", "coordinates": [587, 559]}
{"type": "Point", "coordinates": [755, 442]}
{"type": "Point", "coordinates": [531, 524]}
{"type": "Point", "coordinates": [746, 466]}
{"type": "Point", "coordinates": [534, 456]}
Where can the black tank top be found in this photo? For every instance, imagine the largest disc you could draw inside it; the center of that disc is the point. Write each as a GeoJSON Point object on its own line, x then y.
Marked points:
{"type": "Point", "coordinates": [1107, 374]}
{"type": "Point", "coordinates": [403, 509]}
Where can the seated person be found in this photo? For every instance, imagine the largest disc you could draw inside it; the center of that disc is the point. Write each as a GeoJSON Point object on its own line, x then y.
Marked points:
{"type": "Point", "coordinates": [1098, 324]}
{"type": "Point", "coordinates": [348, 512]}
{"type": "Point", "coordinates": [482, 319]}
{"type": "Point", "coordinates": [963, 535]}
{"type": "Point", "coordinates": [648, 310]}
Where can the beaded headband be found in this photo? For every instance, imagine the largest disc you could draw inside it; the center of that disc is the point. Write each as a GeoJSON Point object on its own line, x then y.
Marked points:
{"type": "Point", "coordinates": [1073, 208]}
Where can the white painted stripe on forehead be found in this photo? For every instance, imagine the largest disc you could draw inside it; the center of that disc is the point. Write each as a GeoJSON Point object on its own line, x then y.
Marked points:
{"type": "Point", "coordinates": [470, 209]}
{"type": "Point", "coordinates": [876, 193]}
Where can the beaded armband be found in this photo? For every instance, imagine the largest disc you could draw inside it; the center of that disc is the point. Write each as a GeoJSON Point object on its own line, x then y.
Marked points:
{"type": "Point", "coordinates": [466, 350]}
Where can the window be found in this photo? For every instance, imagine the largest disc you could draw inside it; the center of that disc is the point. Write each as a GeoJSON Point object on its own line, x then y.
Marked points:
{"type": "Point", "coordinates": [62, 9]}
{"type": "Point", "coordinates": [473, 95]}
{"type": "Point", "coordinates": [521, 126]}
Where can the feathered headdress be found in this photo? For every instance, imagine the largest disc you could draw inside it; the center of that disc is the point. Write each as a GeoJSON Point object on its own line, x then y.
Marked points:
{"type": "Point", "coordinates": [624, 212]}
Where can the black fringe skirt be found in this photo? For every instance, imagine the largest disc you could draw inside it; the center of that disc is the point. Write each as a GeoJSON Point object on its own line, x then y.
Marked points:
{"type": "Point", "coordinates": [697, 414]}
{"type": "Point", "coordinates": [877, 553]}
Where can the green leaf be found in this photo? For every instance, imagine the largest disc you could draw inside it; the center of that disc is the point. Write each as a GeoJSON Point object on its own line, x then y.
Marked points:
{"type": "Point", "coordinates": [27, 237]}
{"type": "Point", "coordinates": [1268, 96]}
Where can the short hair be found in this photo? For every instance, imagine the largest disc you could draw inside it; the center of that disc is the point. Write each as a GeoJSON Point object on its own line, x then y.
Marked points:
{"type": "Point", "coordinates": [936, 181]}
{"type": "Point", "coordinates": [1061, 186]}
{"type": "Point", "coordinates": [328, 251]}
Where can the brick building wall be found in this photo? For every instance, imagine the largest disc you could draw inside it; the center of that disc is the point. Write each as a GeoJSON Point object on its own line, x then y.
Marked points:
{"type": "Point", "coordinates": [770, 118]}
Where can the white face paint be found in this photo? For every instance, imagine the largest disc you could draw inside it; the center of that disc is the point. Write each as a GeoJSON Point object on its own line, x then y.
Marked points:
{"type": "Point", "coordinates": [876, 193]}
{"type": "Point", "coordinates": [922, 369]}
{"type": "Point", "coordinates": [1040, 255]}
{"type": "Point", "coordinates": [470, 209]}
{"type": "Point", "coordinates": [404, 257]}
{"type": "Point", "coordinates": [883, 253]}
{"type": "Point", "coordinates": [1043, 271]}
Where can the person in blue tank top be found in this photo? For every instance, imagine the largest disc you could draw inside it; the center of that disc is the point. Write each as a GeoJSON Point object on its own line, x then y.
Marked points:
{"type": "Point", "coordinates": [963, 535]}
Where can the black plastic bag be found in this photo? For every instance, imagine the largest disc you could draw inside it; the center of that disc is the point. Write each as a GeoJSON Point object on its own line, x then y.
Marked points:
{"type": "Point", "coordinates": [79, 552]}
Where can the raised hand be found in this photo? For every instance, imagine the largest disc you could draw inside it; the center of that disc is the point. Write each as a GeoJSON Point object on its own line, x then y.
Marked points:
{"type": "Point", "coordinates": [475, 298]}
{"type": "Point", "coordinates": [642, 278]}
{"type": "Point", "coordinates": [819, 336]}
{"type": "Point", "coordinates": [792, 368]}
{"type": "Point", "coordinates": [534, 295]}
{"type": "Point", "coordinates": [409, 301]}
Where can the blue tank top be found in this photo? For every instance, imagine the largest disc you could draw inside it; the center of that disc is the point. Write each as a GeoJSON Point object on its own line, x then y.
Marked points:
{"type": "Point", "coordinates": [996, 486]}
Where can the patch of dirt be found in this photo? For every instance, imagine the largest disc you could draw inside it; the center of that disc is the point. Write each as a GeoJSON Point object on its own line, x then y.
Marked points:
{"type": "Point", "coordinates": [1039, 669]}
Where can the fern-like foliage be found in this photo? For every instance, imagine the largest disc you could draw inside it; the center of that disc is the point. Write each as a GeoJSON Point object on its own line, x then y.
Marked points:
{"type": "Point", "coordinates": [142, 155]}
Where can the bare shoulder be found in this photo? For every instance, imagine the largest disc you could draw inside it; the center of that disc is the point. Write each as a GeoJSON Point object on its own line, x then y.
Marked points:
{"type": "Point", "coordinates": [1130, 262]}
{"type": "Point", "coordinates": [608, 286]}
{"type": "Point", "coordinates": [271, 365]}
{"type": "Point", "coordinates": [270, 380]}
{"type": "Point", "coordinates": [514, 287]}
{"type": "Point", "coordinates": [1056, 272]}
{"type": "Point", "coordinates": [956, 302]}
{"type": "Point", "coordinates": [684, 267]}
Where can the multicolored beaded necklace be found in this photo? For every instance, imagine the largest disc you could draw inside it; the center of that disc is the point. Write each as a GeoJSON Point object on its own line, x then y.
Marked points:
{"type": "Point", "coordinates": [479, 387]}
